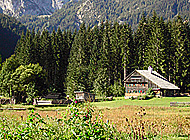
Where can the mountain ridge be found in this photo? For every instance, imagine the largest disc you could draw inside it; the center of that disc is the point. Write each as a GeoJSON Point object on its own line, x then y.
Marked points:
{"type": "Point", "coordinates": [17, 8]}
{"type": "Point", "coordinates": [70, 14]}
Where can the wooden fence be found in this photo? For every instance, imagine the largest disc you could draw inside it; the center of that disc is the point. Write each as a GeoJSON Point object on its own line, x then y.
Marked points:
{"type": "Point", "coordinates": [180, 104]}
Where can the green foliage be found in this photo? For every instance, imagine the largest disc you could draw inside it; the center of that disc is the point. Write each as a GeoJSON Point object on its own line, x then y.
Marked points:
{"type": "Point", "coordinates": [96, 58]}
{"type": "Point", "coordinates": [76, 123]}
{"type": "Point", "coordinates": [0, 62]}
{"type": "Point", "coordinates": [149, 91]}
{"type": "Point", "coordinates": [145, 97]}
{"type": "Point", "coordinates": [12, 24]}
{"type": "Point", "coordinates": [11, 30]}
{"type": "Point", "coordinates": [79, 124]}
{"type": "Point", "coordinates": [101, 86]}
{"type": "Point", "coordinates": [92, 59]}
{"type": "Point", "coordinates": [18, 81]}
{"type": "Point", "coordinates": [118, 89]}
{"type": "Point", "coordinates": [8, 68]}
{"type": "Point", "coordinates": [51, 51]}
{"type": "Point", "coordinates": [28, 80]}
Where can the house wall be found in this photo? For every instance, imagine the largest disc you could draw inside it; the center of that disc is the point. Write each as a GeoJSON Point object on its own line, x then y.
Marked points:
{"type": "Point", "coordinates": [140, 88]}
{"type": "Point", "coordinates": [137, 84]}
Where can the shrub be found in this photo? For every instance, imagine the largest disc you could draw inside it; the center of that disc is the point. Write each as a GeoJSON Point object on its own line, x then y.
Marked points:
{"type": "Point", "coordinates": [132, 98]}
{"type": "Point", "coordinates": [117, 89]}
{"type": "Point", "coordinates": [145, 97]}
{"type": "Point", "coordinates": [76, 123]}
{"type": "Point", "coordinates": [149, 91]}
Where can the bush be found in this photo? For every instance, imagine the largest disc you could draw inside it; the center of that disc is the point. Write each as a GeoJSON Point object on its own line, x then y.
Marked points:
{"type": "Point", "coordinates": [132, 98]}
{"type": "Point", "coordinates": [149, 91]}
{"type": "Point", "coordinates": [145, 97]}
{"type": "Point", "coordinates": [117, 89]}
{"type": "Point", "coordinates": [76, 123]}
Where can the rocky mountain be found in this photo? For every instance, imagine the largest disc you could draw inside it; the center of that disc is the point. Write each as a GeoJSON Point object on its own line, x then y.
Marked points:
{"type": "Point", "coordinates": [18, 8]}
{"type": "Point", "coordinates": [69, 14]}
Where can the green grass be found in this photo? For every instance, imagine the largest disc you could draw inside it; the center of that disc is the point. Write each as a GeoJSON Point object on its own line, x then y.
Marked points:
{"type": "Point", "coordinates": [117, 102]}
{"type": "Point", "coordinates": [160, 102]}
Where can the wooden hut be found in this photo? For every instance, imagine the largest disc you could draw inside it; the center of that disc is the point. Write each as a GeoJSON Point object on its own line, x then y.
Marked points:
{"type": "Point", "coordinates": [139, 81]}
{"type": "Point", "coordinates": [84, 96]}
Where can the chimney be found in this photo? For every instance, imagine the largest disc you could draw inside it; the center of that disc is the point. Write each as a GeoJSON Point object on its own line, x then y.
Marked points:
{"type": "Point", "coordinates": [150, 69]}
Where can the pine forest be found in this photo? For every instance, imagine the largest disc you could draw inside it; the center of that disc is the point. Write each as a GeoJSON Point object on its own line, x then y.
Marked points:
{"type": "Point", "coordinates": [93, 59]}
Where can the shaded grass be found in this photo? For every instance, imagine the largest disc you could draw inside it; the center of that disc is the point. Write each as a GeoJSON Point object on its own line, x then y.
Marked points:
{"type": "Point", "coordinates": [40, 108]}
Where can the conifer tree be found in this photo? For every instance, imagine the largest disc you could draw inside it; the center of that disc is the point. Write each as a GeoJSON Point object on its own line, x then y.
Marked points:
{"type": "Point", "coordinates": [156, 44]}
{"type": "Point", "coordinates": [116, 59]}
{"type": "Point", "coordinates": [20, 49]}
{"type": "Point", "coordinates": [36, 48]}
{"type": "Point", "coordinates": [141, 39]}
{"type": "Point", "coordinates": [47, 59]}
{"type": "Point", "coordinates": [0, 61]}
{"type": "Point", "coordinates": [180, 40]}
{"type": "Point", "coordinates": [95, 54]}
{"type": "Point", "coordinates": [105, 59]}
{"type": "Point", "coordinates": [168, 53]}
{"type": "Point", "coordinates": [128, 49]}
{"type": "Point", "coordinates": [77, 70]}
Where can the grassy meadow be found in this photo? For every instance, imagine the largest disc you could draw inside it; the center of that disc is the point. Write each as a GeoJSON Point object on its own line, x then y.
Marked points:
{"type": "Point", "coordinates": [152, 118]}
{"type": "Point", "coordinates": [154, 102]}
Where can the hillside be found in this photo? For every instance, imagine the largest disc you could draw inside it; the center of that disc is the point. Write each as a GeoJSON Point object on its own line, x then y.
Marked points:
{"type": "Point", "coordinates": [17, 8]}
{"type": "Point", "coordinates": [73, 13]}
{"type": "Point", "coordinates": [10, 31]}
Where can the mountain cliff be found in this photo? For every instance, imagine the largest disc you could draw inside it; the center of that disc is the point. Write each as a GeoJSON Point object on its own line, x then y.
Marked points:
{"type": "Point", "coordinates": [69, 14]}
{"type": "Point", "coordinates": [18, 8]}
{"type": "Point", "coordinates": [73, 13]}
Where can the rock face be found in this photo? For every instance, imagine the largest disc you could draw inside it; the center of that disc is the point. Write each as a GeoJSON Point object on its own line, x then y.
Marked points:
{"type": "Point", "coordinates": [18, 8]}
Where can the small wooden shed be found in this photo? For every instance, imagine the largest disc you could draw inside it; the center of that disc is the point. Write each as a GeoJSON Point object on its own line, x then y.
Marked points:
{"type": "Point", "coordinates": [84, 96]}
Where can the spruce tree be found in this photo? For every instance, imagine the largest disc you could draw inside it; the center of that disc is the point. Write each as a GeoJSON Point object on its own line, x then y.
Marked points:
{"type": "Point", "coordinates": [180, 40]}
{"type": "Point", "coordinates": [47, 56]}
{"type": "Point", "coordinates": [77, 70]}
{"type": "Point", "coordinates": [141, 38]}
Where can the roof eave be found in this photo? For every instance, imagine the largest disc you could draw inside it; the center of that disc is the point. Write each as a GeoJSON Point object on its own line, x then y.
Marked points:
{"type": "Point", "coordinates": [129, 75]}
{"type": "Point", "coordinates": [170, 88]}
